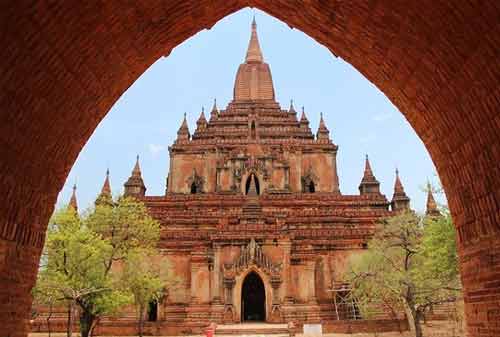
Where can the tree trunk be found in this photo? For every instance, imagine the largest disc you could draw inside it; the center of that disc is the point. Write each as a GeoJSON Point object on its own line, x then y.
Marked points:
{"type": "Point", "coordinates": [418, 325]}
{"type": "Point", "coordinates": [86, 322]}
{"type": "Point", "coordinates": [141, 319]}
{"type": "Point", "coordinates": [69, 329]}
{"type": "Point", "coordinates": [413, 318]}
{"type": "Point", "coordinates": [94, 324]}
{"type": "Point", "coordinates": [48, 319]}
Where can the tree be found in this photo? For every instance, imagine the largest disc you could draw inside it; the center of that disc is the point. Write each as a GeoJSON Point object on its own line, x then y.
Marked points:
{"type": "Point", "coordinates": [74, 269]}
{"type": "Point", "coordinates": [81, 253]}
{"type": "Point", "coordinates": [148, 282]}
{"type": "Point", "coordinates": [45, 294]}
{"type": "Point", "coordinates": [126, 227]}
{"type": "Point", "coordinates": [401, 270]}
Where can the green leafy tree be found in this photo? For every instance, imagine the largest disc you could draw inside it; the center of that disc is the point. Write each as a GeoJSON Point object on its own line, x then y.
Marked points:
{"type": "Point", "coordinates": [126, 227]}
{"type": "Point", "coordinates": [81, 253]}
{"type": "Point", "coordinates": [401, 270]}
{"type": "Point", "coordinates": [147, 281]}
{"type": "Point", "coordinates": [75, 267]}
{"type": "Point", "coordinates": [45, 293]}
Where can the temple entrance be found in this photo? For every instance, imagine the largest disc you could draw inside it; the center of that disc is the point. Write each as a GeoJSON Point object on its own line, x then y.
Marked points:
{"type": "Point", "coordinates": [253, 299]}
{"type": "Point", "coordinates": [252, 185]}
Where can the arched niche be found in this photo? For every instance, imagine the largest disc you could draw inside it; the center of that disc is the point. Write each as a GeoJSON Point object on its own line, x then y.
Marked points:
{"type": "Point", "coordinates": [238, 289]}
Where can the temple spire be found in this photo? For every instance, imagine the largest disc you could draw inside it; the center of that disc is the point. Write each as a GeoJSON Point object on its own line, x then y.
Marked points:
{"type": "Point", "coordinates": [254, 54]}
{"type": "Point", "coordinates": [72, 201]}
{"type": "Point", "coordinates": [105, 196]}
{"type": "Point", "coordinates": [400, 200]}
{"type": "Point", "coordinates": [135, 184]}
{"type": "Point", "coordinates": [202, 121]}
{"type": "Point", "coordinates": [253, 80]}
{"type": "Point", "coordinates": [136, 172]}
{"type": "Point", "coordinates": [398, 186]}
{"type": "Point", "coordinates": [369, 184]}
{"type": "Point", "coordinates": [106, 187]}
{"type": "Point", "coordinates": [215, 112]}
{"type": "Point", "coordinates": [323, 132]}
{"type": "Point", "coordinates": [291, 109]}
{"type": "Point", "coordinates": [431, 206]}
{"type": "Point", "coordinates": [304, 122]}
{"type": "Point", "coordinates": [368, 168]}
{"type": "Point", "coordinates": [183, 132]}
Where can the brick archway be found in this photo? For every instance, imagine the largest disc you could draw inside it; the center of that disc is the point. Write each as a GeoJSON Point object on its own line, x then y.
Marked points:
{"type": "Point", "coordinates": [64, 65]}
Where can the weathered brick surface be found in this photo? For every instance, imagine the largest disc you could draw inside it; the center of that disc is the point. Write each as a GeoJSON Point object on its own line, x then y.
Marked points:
{"type": "Point", "coordinates": [65, 63]}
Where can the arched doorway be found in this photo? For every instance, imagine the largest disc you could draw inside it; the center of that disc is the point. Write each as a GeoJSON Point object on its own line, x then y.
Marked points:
{"type": "Point", "coordinates": [253, 299]}
{"type": "Point", "coordinates": [252, 184]}
{"type": "Point", "coordinates": [194, 188]}
{"type": "Point", "coordinates": [311, 188]}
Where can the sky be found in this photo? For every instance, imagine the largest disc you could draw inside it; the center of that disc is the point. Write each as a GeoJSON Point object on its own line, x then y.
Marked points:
{"type": "Point", "coordinates": [145, 120]}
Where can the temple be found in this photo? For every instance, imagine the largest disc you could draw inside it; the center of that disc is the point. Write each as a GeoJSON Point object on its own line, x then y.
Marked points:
{"type": "Point", "coordinates": [253, 220]}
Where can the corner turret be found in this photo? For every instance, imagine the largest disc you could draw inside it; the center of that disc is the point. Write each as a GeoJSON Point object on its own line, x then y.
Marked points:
{"type": "Point", "coordinates": [183, 132]}
{"type": "Point", "coordinates": [134, 187]}
{"type": "Point", "coordinates": [431, 207]}
{"type": "Point", "coordinates": [73, 204]}
{"type": "Point", "coordinates": [215, 111]}
{"type": "Point", "coordinates": [304, 122]}
{"type": "Point", "coordinates": [105, 197]}
{"type": "Point", "coordinates": [400, 201]}
{"type": "Point", "coordinates": [369, 184]}
{"type": "Point", "coordinates": [323, 132]}
{"type": "Point", "coordinates": [201, 123]}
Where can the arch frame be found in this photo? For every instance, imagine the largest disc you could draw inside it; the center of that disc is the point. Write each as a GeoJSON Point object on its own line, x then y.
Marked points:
{"type": "Point", "coordinates": [259, 177]}
{"type": "Point", "coordinates": [66, 65]}
{"type": "Point", "coordinates": [238, 289]}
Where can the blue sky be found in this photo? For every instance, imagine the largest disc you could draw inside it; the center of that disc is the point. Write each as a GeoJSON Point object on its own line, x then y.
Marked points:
{"type": "Point", "coordinates": [145, 119]}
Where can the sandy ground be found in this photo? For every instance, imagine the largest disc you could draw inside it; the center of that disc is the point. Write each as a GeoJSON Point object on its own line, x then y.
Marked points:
{"type": "Point", "coordinates": [432, 329]}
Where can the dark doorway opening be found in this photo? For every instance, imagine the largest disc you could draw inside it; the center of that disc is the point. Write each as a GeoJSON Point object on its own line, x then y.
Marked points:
{"type": "Point", "coordinates": [253, 132]}
{"type": "Point", "coordinates": [253, 299]}
{"type": "Point", "coordinates": [194, 188]}
{"type": "Point", "coordinates": [252, 178]}
{"type": "Point", "coordinates": [312, 189]}
{"type": "Point", "coordinates": [153, 311]}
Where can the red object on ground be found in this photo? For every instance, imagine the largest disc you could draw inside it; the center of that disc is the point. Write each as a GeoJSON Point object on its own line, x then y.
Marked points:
{"type": "Point", "coordinates": [209, 331]}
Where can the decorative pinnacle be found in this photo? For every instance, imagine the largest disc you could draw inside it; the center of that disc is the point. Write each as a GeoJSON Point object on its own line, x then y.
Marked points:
{"type": "Point", "coordinates": [431, 206]}
{"type": "Point", "coordinates": [303, 118]}
{"type": "Point", "coordinates": [214, 111]}
{"type": "Point", "coordinates": [368, 168]}
{"type": "Point", "coordinates": [254, 54]}
{"type": "Point", "coordinates": [106, 187]}
{"type": "Point", "coordinates": [72, 201]}
{"type": "Point", "coordinates": [322, 126]}
{"type": "Point", "coordinates": [398, 186]}
{"type": "Point", "coordinates": [137, 168]}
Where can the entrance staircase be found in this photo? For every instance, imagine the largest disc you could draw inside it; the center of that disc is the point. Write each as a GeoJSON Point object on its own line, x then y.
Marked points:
{"type": "Point", "coordinates": [252, 211]}
{"type": "Point", "coordinates": [252, 329]}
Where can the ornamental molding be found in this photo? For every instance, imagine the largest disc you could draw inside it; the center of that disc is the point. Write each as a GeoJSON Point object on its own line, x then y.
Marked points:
{"type": "Point", "coordinates": [253, 255]}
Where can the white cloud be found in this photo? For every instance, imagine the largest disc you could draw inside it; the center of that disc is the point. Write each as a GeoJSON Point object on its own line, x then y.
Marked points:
{"type": "Point", "coordinates": [381, 116]}
{"type": "Point", "coordinates": [154, 149]}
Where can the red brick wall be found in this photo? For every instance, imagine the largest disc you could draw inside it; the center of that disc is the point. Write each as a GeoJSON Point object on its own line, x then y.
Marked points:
{"type": "Point", "coordinates": [65, 64]}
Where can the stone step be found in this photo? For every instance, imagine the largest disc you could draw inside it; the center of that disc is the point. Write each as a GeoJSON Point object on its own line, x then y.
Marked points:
{"type": "Point", "coordinates": [252, 329]}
